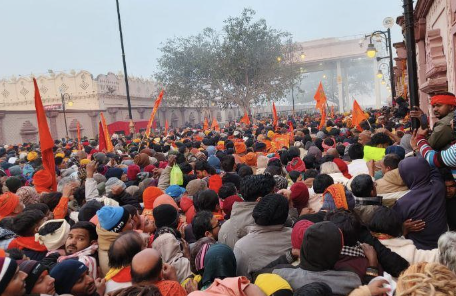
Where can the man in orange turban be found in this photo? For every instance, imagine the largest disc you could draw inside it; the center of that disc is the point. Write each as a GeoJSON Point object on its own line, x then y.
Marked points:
{"type": "Point", "coordinates": [10, 205]}
{"type": "Point", "coordinates": [42, 180]}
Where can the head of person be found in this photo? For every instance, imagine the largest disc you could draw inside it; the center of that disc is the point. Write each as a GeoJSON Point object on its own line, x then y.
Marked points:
{"type": "Point", "coordinates": [297, 235]}
{"type": "Point", "coordinates": [72, 277]}
{"type": "Point", "coordinates": [363, 186]}
{"type": "Point", "coordinates": [310, 174]}
{"type": "Point", "coordinates": [203, 169]}
{"type": "Point", "coordinates": [227, 190]}
{"type": "Point", "coordinates": [27, 223]}
{"type": "Point", "coordinates": [389, 162]}
{"type": "Point", "coordinates": [415, 171]}
{"type": "Point", "coordinates": [124, 248]}
{"type": "Point", "coordinates": [356, 151]}
{"type": "Point", "coordinates": [447, 250]}
{"type": "Point", "coordinates": [52, 199]}
{"type": "Point", "coordinates": [256, 186]}
{"type": "Point", "coordinates": [363, 138]}
{"type": "Point", "coordinates": [273, 284]}
{"type": "Point", "coordinates": [114, 219]}
{"type": "Point", "coordinates": [321, 183]}
{"type": "Point", "coordinates": [166, 215]}
{"type": "Point", "coordinates": [450, 183]}
{"type": "Point", "coordinates": [219, 262]}
{"type": "Point", "coordinates": [82, 235]}
{"type": "Point", "coordinates": [205, 224]}
{"type": "Point", "coordinates": [442, 104]}
{"type": "Point", "coordinates": [207, 201]}
{"type": "Point", "coordinates": [380, 140]}
{"type": "Point", "coordinates": [396, 150]}
{"type": "Point", "coordinates": [146, 267]}
{"type": "Point", "coordinates": [426, 279]}
{"type": "Point", "coordinates": [329, 167]}
{"type": "Point", "coordinates": [295, 176]}
{"type": "Point", "coordinates": [385, 221]}
{"type": "Point", "coordinates": [38, 280]}
{"type": "Point", "coordinates": [272, 209]}
{"type": "Point", "coordinates": [53, 234]}
{"type": "Point", "coordinates": [348, 223]}
{"type": "Point", "coordinates": [10, 205]}
{"type": "Point", "coordinates": [12, 280]}
{"type": "Point", "coordinates": [314, 289]}
{"type": "Point", "coordinates": [321, 247]}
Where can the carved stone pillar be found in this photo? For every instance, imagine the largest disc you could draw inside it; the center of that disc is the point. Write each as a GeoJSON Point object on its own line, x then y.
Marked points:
{"type": "Point", "coordinates": [52, 115]}
{"type": "Point", "coordinates": [93, 120]}
{"type": "Point", "coordinates": [113, 112]}
{"type": "Point", "coordinates": [28, 132]}
{"type": "Point", "coordinates": [141, 111]}
{"type": "Point", "coordinates": [2, 137]}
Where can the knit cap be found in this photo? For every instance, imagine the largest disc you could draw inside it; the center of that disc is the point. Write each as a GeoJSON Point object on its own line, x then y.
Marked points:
{"type": "Point", "coordinates": [7, 271]}
{"type": "Point", "coordinates": [272, 209]}
{"type": "Point", "coordinates": [273, 284]}
{"type": "Point", "coordinates": [33, 269]}
{"type": "Point", "coordinates": [13, 184]}
{"type": "Point", "coordinates": [8, 202]}
{"type": "Point", "coordinates": [296, 164]}
{"type": "Point", "coordinates": [15, 170]}
{"type": "Point", "coordinates": [56, 239]}
{"type": "Point", "coordinates": [133, 171]}
{"type": "Point", "coordinates": [195, 185]}
{"type": "Point", "coordinates": [28, 195]}
{"type": "Point", "coordinates": [281, 182]}
{"type": "Point", "coordinates": [32, 156]}
{"type": "Point", "coordinates": [175, 191]}
{"type": "Point", "coordinates": [215, 182]}
{"type": "Point", "coordinates": [113, 182]}
{"type": "Point", "coordinates": [299, 195]}
{"type": "Point", "coordinates": [149, 195]}
{"type": "Point", "coordinates": [297, 234]}
{"type": "Point", "coordinates": [165, 215]}
{"type": "Point", "coordinates": [66, 274]}
{"type": "Point", "coordinates": [250, 159]}
{"type": "Point", "coordinates": [114, 172]}
{"type": "Point", "coordinates": [113, 219]}
{"type": "Point", "coordinates": [214, 162]}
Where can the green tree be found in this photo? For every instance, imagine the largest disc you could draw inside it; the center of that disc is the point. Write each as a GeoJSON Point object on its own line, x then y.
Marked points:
{"type": "Point", "coordinates": [244, 64]}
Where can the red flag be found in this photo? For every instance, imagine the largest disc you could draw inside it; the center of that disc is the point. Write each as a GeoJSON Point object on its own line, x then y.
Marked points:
{"type": "Point", "coordinates": [245, 119]}
{"type": "Point", "coordinates": [152, 115]}
{"type": "Point", "coordinates": [79, 136]}
{"type": "Point", "coordinates": [154, 124]}
{"type": "Point", "coordinates": [274, 115]}
{"type": "Point", "coordinates": [215, 125]}
{"type": "Point", "coordinates": [206, 124]}
{"type": "Point", "coordinates": [166, 126]}
{"type": "Point", "coordinates": [332, 112]}
{"type": "Point", "coordinates": [101, 138]}
{"type": "Point", "coordinates": [320, 97]}
{"type": "Point", "coordinates": [323, 119]}
{"type": "Point", "coordinates": [109, 146]}
{"type": "Point", "coordinates": [358, 115]}
{"type": "Point", "coordinates": [46, 141]}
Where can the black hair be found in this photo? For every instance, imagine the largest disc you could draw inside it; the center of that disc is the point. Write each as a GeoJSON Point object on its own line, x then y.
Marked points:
{"type": "Point", "coordinates": [50, 227]}
{"type": "Point", "coordinates": [180, 158]}
{"type": "Point", "coordinates": [356, 151]}
{"type": "Point", "coordinates": [446, 174]}
{"type": "Point", "coordinates": [273, 170]}
{"type": "Point", "coordinates": [362, 185]}
{"type": "Point", "coordinates": [228, 163]}
{"type": "Point", "coordinates": [15, 254]}
{"type": "Point", "coordinates": [293, 152]}
{"type": "Point", "coordinates": [228, 189]}
{"type": "Point", "coordinates": [207, 200]}
{"type": "Point", "coordinates": [379, 139]}
{"type": "Point", "coordinates": [341, 150]}
{"type": "Point", "coordinates": [387, 221]}
{"type": "Point", "coordinates": [131, 210]}
{"type": "Point", "coordinates": [187, 178]}
{"type": "Point", "coordinates": [203, 165]}
{"type": "Point", "coordinates": [124, 248]}
{"type": "Point", "coordinates": [7, 223]}
{"type": "Point", "coordinates": [321, 182]}
{"type": "Point", "coordinates": [232, 178]}
{"type": "Point", "coordinates": [275, 162]}
{"type": "Point", "coordinates": [310, 173]}
{"type": "Point", "coordinates": [38, 206]}
{"type": "Point", "coordinates": [255, 186]}
{"type": "Point", "coordinates": [294, 175]}
{"type": "Point", "coordinates": [348, 223]}
{"type": "Point", "coordinates": [25, 222]}
{"type": "Point", "coordinates": [329, 142]}
{"type": "Point", "coordinates": [89, 226]}
{"type": "Point", "coordinates": [391, 160]}
{"type": "Point", "coordinates": [201, 223]}
{"type": "Point", "coordinates": [182, 149]}
{"type": "Point", "coordinates": [283, 155]}
{"type": "Point", "coordinates": [185, 167]}
{"type": "Point", "coordinates": [52, 199]}
{"type": "Point", "coordinates": [79, 195]}
{"type": "Point", "coordinates": [244, 171]}
{"type": "Point", "coordinates": [309, 161]}
{"type": "Point", "coordinates": [152, 274]}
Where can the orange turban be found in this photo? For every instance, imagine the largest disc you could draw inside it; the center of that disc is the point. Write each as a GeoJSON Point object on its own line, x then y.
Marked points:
{"type": "Point", "coordinates": [239, 147]}
{"type": "Point", "coordinates": [215, 182]}
{"type": "Point", "coordinates": [42, 180]}
{"type": "Point", "coordinates": [150, 195]}
{"type": "Point", "coordinates": [444, 100]}
{"type": "Point", "coordinates": [165, 199]}
{"type": "Point", "coordinates": [8, 202]}
{"type": "Point", "coordinates": [250, 159]}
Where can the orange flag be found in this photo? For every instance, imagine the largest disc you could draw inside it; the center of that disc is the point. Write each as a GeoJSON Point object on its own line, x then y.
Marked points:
{"type": "Point", "coordinates": [152, 115]}
{"type": "Point", "coordinates": [320, 97]}
{"type": "Point", "coordinates": [332, 112]}
{"type": "Point", "coordinates": [215, 125]}
{"type": "Point", "coordinates": [206, 124]}
{"type": "Point", "coordinates": [245, 119]}
{"type": "Point", "coordinates": [109, 146]}
{"type": "Point", "coordinates": [101, 138]}
{"type": "Point", "coordinates": [274, 115]}
{"type": "Point", "coordinates": [358, 115]}
{"type": "Point", "coordinates": [166, 126]}
{"type": "Point", "coordinates": [290, 127]}
{"type": "Point", "coordinates": [79, 136]}
{"type": "Point", "coordinates": [323, 119]}
{"type": "Point", "coordinates": [46, 141]}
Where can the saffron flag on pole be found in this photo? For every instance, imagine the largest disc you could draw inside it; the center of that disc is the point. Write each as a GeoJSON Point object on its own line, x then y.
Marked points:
{"type": "Point", "coordinates": [332, 112]}
{"type": "Point", "coordinates": [274, 115]}
{"type": "Point", "coordinates": [245, 119]}
{"type": "Point", "coordinates": [101, 138]}
{"type": "Point", "coordinates": [206, 124]}
{"type": "Point", "coordinates": [323, 119]}
{"type": "Point", "coordinates": [46, 141]}
{"type": "Point", "coordinates": [152, 115]}
{"type": "Point", "coordinates": [358, 115]}
{"type": "Point", "coordinates": [215, 125]}
{"type": "Point", "coordinates": [109, 146]}
{"type": "Point", "coordinates": [79, 136]}
{"type": "Point", "coordinates": [166, 126]}
{"type": "Point", "coordinates": [320, 97]}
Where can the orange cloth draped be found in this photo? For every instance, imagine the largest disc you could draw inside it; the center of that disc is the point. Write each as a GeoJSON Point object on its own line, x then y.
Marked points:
{"type": "Point", "coordinates": [206, 124]}
{"type": "Point", "coordinates": [107, 137]}
{"type": "Point", "coordinates": [245, 119]}
{"type": "Point", "coordinates": [79, 136]}
{"type": "Point", "coordinates": [215, 125]}
{"type": "Point", "coordinates": [274, 115]}
{"type": "Point", "coordinates": [320, 97]}
{"type": "Point", "coordinates": [358, 115]}
{"type": "Point", "coordinates": [323, 119]}
{"type": "Point", "coordinates": [101, 138]}
{"type": "Point", "coordinates": [152, 115]}
{"type": "Point", "coordinates": [337, 192]}
{"type": "Point", "coordinates": [166, 126]}
{"type": "Point", "coordinates": [46, 141]}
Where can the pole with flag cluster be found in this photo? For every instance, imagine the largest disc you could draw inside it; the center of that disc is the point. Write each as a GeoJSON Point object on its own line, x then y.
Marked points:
{"type": "Point", "coordinates": [107, 137]}
{"type": "Point", "coordinates": [206, 124]}
{"type": "Point", "coordinates": [274, 115]}
{"type": "Point", "coordinates": [154, 111]}
{"type": "Point", "coordinates": [215, 126]}
{"type": "Point", "coordinates": [358, 115]}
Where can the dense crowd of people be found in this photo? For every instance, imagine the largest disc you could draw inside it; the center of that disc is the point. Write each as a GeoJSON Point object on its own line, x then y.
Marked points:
{"type": "Point", "coordinates": [249, 209]}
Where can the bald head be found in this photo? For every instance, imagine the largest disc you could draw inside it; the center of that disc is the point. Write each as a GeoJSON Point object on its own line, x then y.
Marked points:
{"type": "Point", "coordinates": [146, 266]}
{"type": "Point", "coordinates": [333, 152]}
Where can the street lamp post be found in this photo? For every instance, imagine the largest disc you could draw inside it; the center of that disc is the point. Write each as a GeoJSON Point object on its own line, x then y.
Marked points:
{"type": "Point", "coordinates": [65, 97]}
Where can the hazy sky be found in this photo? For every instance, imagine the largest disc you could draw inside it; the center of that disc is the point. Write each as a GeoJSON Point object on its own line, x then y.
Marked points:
{"type": "Point", "coordinates": [37, 35]}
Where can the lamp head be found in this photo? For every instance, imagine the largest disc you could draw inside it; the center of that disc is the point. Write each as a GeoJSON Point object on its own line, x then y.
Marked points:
{"type": "Point", "coordinates": [371, 51]}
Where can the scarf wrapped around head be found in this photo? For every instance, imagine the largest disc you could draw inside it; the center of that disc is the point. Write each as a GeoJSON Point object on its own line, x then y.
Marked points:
{"type": "Point", "coordinates": [150, 194]}
{"type": "Point", "coordinates": [56, 239]}
{"type": "Point", "coordinates": [28, 195]}
{"type": "Point", "coordinates": [271, 284]}
{"type": "Point", "coordinates": [42, 180]}
{"type": "Point", "coordinates": [8, 202]}
{"type": "Point", "coordinates": [142, 159]}
{"type": "Point", "coordinates": [443, 100]}
{"type": "Point", "coordinates": [343, 167]}
{"type": "Point", "coordinates": [334, 198]}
